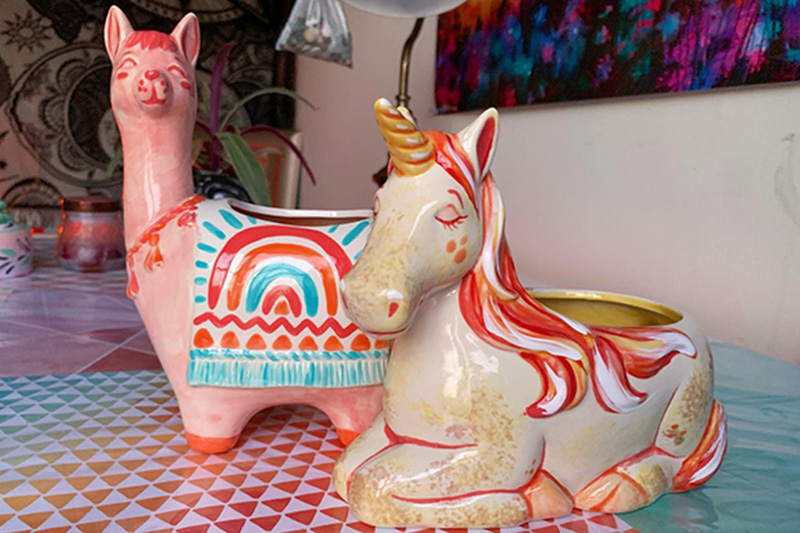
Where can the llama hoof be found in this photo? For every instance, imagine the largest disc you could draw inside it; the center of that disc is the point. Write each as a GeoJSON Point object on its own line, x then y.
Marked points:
{"type": "Point", "coordinates": [210, 445]}
{"type": "Point", "coordinates": [612, 493]}
{"type": "Point", "coordinates": [346, 435]}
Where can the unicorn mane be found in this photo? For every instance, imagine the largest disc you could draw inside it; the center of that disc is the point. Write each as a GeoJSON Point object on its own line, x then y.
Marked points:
{"type": "Point", "coordinates": [502, 313]}
{"type": "Point", "coordinates": [499, 309]}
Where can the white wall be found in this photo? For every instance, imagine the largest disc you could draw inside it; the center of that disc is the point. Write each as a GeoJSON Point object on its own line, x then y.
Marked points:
{"type": "Point", "coordinates": [691, 200]}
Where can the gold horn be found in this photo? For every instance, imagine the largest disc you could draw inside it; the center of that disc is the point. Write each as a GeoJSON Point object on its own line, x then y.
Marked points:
{"type": "Point", "coordinates": [412, 152]}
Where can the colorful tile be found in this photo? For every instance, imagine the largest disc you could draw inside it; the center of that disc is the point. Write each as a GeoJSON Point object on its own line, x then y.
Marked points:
{"type": "Point", "coordinates": [105, 452]}
{"type": "Point", "coordinates": [113, 335]}
{"type": "Point", "coordinates": [50, 354]}
{"type": "Point", "coordinates": [124, 358]}
{"type": "Point", "coordinates": [141, 342]}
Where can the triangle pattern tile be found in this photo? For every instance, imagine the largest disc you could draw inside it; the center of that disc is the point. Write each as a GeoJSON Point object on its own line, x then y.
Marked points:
{"type": "Point", "coordinates": [105, 452]}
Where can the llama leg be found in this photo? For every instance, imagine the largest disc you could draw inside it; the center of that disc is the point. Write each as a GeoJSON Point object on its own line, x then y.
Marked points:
{"type": "Point", "coordinates": [369, 444]}
{"type": "Point", "coordinates": [213, 422]}
{"type": "Point", "coordinates": [412, 485]}
{"type": "Point", "coordinates": [351, 409]}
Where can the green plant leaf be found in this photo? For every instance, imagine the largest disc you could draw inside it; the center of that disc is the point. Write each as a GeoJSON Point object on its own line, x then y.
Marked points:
{"type": "Point", "coordinates": [269, 90]}
{"type": "Point", "coordinates": [245, 163]}
{"type": "Point", "coordinates": [204, 99]}
{"type": "Point", "coordinates": [116, 160]}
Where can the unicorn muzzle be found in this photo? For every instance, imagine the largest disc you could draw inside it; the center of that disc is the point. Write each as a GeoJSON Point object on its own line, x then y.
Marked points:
{"type": "Point", "coordinates": [375, 309]}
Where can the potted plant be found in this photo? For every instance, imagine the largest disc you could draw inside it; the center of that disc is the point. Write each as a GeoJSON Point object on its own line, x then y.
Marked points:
{"type": "Point", "coordinates": [218, 147]}
{"type": "Point", "coordinates": [217, 144]}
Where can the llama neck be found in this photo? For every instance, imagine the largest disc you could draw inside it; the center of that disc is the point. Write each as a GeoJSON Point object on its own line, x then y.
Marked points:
{"type": "Point", "coordinates": [157, 170]}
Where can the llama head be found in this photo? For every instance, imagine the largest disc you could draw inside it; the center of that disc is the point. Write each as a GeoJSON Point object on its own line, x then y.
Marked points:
{"type": "Point", "coordinates": [153, 72]}
{"type": "Point", "coordinates": [427, 231]}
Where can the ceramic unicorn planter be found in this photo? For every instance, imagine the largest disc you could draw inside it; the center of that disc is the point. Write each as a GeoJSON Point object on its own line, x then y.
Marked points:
{"type": "Point", "coordinates": [241, 302]}
{"type": "Point", "coordinates": [502, 405]}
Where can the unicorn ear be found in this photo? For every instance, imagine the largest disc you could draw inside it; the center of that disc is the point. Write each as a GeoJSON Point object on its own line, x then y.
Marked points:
{"type": "Point", "coordinates": [187, 35]}
{"type": "Point", "coordinates": [479, 139]}
{"type": "Point", "coordinates": [116, 30]}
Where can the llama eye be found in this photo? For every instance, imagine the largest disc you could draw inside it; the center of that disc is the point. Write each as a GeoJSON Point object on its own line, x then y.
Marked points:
{"type": "Point", "coordinates": [450, 216]}
{"type": "Point", "coordinates": [178, 71]}
{"type": "Point", "coordinates": [127, 62]}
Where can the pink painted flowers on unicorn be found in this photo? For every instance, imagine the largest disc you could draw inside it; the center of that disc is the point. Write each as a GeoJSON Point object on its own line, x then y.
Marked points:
{"type": "Point", "coordinates": [504, 405]}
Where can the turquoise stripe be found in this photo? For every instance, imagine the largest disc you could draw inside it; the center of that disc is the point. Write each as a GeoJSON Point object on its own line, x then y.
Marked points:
{"type": "Point", "coordinates": [206, 248]}
{"type": "Point", "coordinates": [205, 371]}
{"type": "Point", "coordinates": [252, 220]}
{"type": "Point", "coordinates": [355, 257]}
{"type": "Point", "coordinates": [201, 264]}
{"type": "Point", "coordinates": [200, 281]}
{"type": "Point", "coordinates": [199, 299]}
{"type": "Point", "coordinates": [230, 219]}
{"type": "Point", "coordinates": [215, 231]}
{"type": "Point", "coordinates": [333, 228]}
{"type": "Point", "coordinates": [262, 280]}
{"type": "Point", "coordinates": [355, 232]}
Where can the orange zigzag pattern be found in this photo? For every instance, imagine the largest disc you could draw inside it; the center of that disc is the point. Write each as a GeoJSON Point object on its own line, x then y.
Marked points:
{"type": "Point", "coordinates": [281, 322]}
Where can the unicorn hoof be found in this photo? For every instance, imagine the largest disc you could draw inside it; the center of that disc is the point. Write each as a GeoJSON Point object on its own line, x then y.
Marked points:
{"type": "Point", "coordinates": [210, 445]}
{"type": "Point", "coordinates": [346, 435]}
{"type": "Point", "coordinates": [612, 493]}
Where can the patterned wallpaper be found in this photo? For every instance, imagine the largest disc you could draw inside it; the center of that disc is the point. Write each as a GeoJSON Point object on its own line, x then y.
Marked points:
{"type": "Point", "coordinates": [57, 133]}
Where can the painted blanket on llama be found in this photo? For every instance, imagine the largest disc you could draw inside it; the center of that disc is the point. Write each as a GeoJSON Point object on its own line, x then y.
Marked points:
{"type": "Point", "coordinates": [267, 308]}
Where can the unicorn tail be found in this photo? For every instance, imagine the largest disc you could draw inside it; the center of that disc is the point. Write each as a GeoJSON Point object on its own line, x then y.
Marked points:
{"type": "Point", "coordinates": [706, 459]}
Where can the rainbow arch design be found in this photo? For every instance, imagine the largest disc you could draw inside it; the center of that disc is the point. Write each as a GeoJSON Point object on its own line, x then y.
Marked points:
{"type": "Point", "coordinates": [261, 270]}
{"type": "Point", "coordinates": [268, 309]}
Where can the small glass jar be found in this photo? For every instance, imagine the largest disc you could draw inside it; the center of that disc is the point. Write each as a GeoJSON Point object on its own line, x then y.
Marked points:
{"type": "Point", "coordinates": [90, 238]}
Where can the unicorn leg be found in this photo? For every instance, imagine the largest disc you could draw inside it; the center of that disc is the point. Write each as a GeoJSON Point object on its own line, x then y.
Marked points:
{"type": "Point", "coordinates": [369, 444]}
{"type": "Point", "coordinates": [629, 485]}
{"type": "Point", "coordinates": [413, 485]}
{"type": "Point", "coordinates": [688, 449]}
{"type": "Point", "coordinates": [480, 511]}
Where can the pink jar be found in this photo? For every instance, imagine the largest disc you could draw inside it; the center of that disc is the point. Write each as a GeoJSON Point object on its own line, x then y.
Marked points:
{"type": "Point", "coordinates": [90, 238]}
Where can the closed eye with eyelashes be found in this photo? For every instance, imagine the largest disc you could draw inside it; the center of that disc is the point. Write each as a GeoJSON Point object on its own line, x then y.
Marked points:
{"type": "Point", "coordinates": [449, 216]}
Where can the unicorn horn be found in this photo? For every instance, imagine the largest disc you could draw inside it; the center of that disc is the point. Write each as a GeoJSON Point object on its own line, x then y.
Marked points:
{"type": "Point", "coordinates": [411, 151]}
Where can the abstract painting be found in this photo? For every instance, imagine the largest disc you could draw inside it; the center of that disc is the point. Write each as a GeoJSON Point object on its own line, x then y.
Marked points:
{"type": "Point", "coordinates": [519, 52]}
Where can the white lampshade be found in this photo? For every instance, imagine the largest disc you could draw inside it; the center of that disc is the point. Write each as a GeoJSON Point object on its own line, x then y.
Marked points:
{"type": "Point", "coordinates": [405, 8]}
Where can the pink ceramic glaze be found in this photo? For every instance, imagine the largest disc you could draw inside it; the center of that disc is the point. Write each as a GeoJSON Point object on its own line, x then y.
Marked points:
{"type": "Point", "coordinates": [241, 302]}
{"type": "Point", "coordinates": [503, 405]}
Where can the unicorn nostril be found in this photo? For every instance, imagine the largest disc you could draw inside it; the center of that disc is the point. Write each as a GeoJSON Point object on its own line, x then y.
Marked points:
{"type": "Point", "coordinates": [151, 74]}
{"type": "Point", "coordinates": [393, 307]}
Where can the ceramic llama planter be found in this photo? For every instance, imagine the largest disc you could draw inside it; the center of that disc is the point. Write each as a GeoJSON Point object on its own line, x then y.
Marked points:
{"type": "Point", "coordinates": [241, 303]}
{"type": "Point", "coordinates": [502, 405]}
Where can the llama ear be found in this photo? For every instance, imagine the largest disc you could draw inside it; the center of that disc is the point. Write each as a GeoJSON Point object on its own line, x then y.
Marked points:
{"type": "Point", "coordinates": [187, 35]}
{"type": "Point", "coordinates": [116, 31]}
{"type": "Point", "coordinates": [479, 139]}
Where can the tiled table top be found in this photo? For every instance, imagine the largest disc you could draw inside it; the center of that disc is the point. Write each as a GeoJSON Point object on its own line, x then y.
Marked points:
{"type": "Point", "coordinates": [58, 322]}
{"type": "Point", "coordinates": [104, 451]}
{"type": "Point", "coordinates": [95, 443]}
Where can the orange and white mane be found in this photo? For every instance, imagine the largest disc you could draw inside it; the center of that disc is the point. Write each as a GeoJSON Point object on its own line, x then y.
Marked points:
{"type": "Point", "coordinates": [565, 353]}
